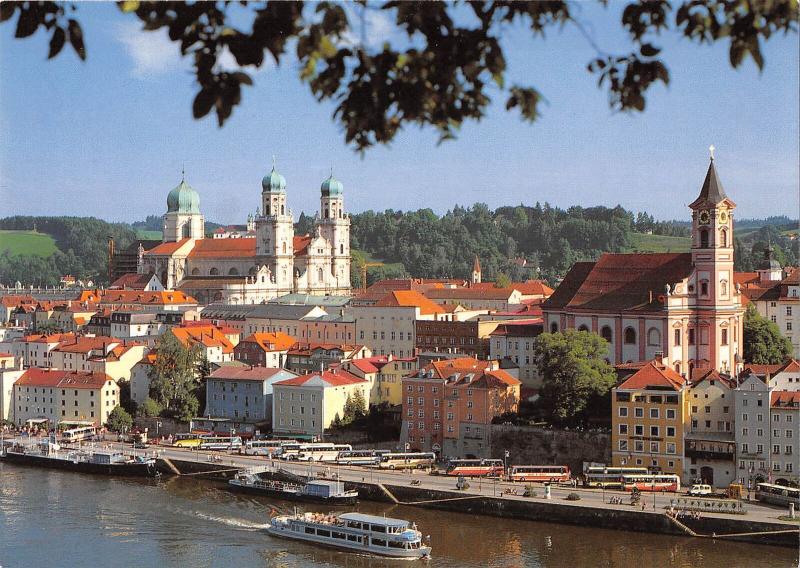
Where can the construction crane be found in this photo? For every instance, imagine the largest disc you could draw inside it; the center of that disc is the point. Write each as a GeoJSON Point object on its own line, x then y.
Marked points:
{"type": "Point", "coordinates": [364, 267]}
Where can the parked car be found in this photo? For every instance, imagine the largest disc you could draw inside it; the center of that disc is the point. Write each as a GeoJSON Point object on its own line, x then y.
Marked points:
{"type": "Point", "coordinates": [701, 490]}
{"type": "Point", "coordinates": [140, 446]}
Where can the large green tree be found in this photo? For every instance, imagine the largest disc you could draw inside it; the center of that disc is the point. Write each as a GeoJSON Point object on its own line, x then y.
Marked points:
{"type": "Point", "coordinates": [763, 342]}
{"type": "Point", "coordinates": [438, 67]}
{"type": "Point", "coordinates": [119, 420]}
{"type": "Point", "coordinates": [173, 378]}
{"type": "Point", "coordinates": [575, 374]}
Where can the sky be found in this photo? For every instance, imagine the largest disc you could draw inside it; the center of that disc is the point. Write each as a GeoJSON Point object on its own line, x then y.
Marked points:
{"type": "Point", "coordinates": [108, 137]}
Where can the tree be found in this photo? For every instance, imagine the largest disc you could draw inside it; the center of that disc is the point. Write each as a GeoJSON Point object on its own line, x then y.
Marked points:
{"type": "Point", "coordinates": [354, 407]}
{"type": "Point", "coordinates": [125, 400]}
{"type": "Point", "coordinates": [763, 342]}
{"type": "Point", "coordinates": [173, 381]}
{"type": "Point", "coordinates": [439, 72]}
{"type": "Point", "coordinates": [575, 374]}
{"type": "Point", "coordinates": [119, 420]}
{"type": "Point", "coordinates": [502, 281]}
{"type": "Point", "coordinates": [149, 408]}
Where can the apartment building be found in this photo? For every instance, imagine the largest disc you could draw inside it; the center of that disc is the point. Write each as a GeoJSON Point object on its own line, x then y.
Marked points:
{"type": "Point", "coordinates": [243, 393]}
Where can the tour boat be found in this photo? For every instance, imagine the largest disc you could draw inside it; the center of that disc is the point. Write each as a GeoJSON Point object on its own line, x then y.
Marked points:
{"type": "Point", "coordinates": [319, 490]}
{"type": "Point", "coordinates": [369, 534]}
{"type": "Point", "coordinates": [106, 462]}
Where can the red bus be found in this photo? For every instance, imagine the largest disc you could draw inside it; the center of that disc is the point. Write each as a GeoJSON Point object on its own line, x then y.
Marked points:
{"type": "Point", "coordinates": [539, 473]}
{"type": "Point", "coordinates": [476, 468]}
{"type": "Point", "coordinates": [650, 482]}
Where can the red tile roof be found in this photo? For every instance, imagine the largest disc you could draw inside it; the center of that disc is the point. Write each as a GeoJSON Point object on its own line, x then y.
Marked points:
{"type": "Point", "coordinates": [232, 373]}
{"type": "Point", "coordinates": [700, 375]}
{"type": "Point", "coordinates": [410, 299]}
{"type": "Point", "coordinates": [364, 365]}
{"type": "Point", "coordinates": [207, 335]}
{"type": "Point", "coordinates": [620, 281]}
{"type": "Point", "coordinates": [514, 329]}
{"type": "Point", "coordinates": [36, 377]}
{"type": "Point", "coordinates": [167, 248]}
{"type": "Point", "coordinates": [762, 370]}
{"type": "Point", "coordinates": [333, 379]}
{"type": "Point", "coordinates": [653, 376]}
{"type": "Point", "coordinates": [86, 344]}
{"type": "Point", "coordinates": [277, 341]}
{"type": "Point", "coordinates": [132, 281]}
{"type": "Point", "coordinates": [490, 293]}
{"type": "Point", "coordinates": [300, 245]}
{"type": "Point", "coordinates": [780, 399]}
{"type": "Point", "coordinates": [224, 248]}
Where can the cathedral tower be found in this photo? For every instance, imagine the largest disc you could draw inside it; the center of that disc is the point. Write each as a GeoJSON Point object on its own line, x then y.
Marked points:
{"type": "Point", "coordinates": [183, 219]}
{"type": "Point", "coordinates": [275, 230]}
{"type": "Point", "coordinates": [334, 225]}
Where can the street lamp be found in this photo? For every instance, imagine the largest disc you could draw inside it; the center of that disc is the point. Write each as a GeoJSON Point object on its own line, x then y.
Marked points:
{"type": "Point", "coordinates": [506, 455]}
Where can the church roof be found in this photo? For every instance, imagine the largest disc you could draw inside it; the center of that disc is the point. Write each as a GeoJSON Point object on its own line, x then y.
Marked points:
{"type": "Point", "coordinates": [224, 248]}
{"type": "Point", "coordinates": [476, 266]}
{"type": "Point", "coordinates": [712, 192]}
{"type": "Point", "coordinates": [620, 281]}
{"type": "Point", "coordinates": [300, 245]}
{"type": "Point", "coordinates": [167, 248]}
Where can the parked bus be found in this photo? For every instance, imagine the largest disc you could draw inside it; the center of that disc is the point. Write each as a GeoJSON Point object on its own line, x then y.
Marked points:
{"type": "Point", "coordinates": [264, 447]}
{"type": "Point", "coordinates": [360, 457]}
{"type": "Point", "coordinates": [651, 482]}
{"type": "Point", "coordinates": [476, 468]}
{"type": "Point", "coordinates": [610, 476]}
{"type": "Point", "coordinates": [186, 440]}
{"type": "Point", "coordinates": [778, 494]}
{"type": "Point", "coordinates": [79, 434]}
{"type": "Point", "coordinates": [317, 451]}
{"type": "Point", "coordinates": [407, 460]}
{"type": "Point", "coordinates": [220, 442]}
{"type": "Point", "coordinates": [539, 473]}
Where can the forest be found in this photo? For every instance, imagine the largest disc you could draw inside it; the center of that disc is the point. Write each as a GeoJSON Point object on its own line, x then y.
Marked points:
{"type": "Point", "coordinates": [512, 242]}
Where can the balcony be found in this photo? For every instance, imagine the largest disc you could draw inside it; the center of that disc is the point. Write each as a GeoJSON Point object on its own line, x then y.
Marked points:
{"type": "Point", "coordinates": [708, 454]}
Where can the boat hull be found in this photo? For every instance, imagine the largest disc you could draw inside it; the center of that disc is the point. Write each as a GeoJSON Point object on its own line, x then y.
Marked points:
{"type": "Point", "coordinates": [291, 496]}
{"type": "Point", "coordinates": [424, 552]}
{"type": "Point", "coordinates": [125, 469]}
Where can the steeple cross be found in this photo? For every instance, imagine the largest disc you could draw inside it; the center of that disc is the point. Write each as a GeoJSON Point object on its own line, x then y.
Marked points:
{"type": "Point", "coordinates": [711, 151]}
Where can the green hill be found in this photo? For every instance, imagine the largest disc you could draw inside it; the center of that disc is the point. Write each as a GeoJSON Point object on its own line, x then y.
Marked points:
{"type": "Point", "coordinates": [658, 243]}
{"type": "Point", "coordinates": [27, 243]}
{"type": "Point", "coordinates": [148, 235]}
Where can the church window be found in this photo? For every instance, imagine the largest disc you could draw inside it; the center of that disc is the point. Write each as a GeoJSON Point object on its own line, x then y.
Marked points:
{"type": "Point", "coordinates": [678, 367]}
{"type": "Point", "coordinates": [267, 210]}
{"type": "Point", "coordinates": [554, 327]}
{"type": "Point", "coordinates": [319, 275]}
{"type": "Point", "coordinates": [214, 271]}
{"type": "Point", "coordinates": [677, 340]}
{"type": "Point", "coordinates": [704, 288]}
{"type": "Point", "coordinates": [195, 271]}
{"type": "Point", "coordinates": [724, 337]}
{"type": "Point", "coordinates": [653, 337]}
{"type": "Point", "coordinates": [691, 336]}
{"type": "Point", "coordinates": [723, 238]}
{"type": "Point", "coordinates": [283, 210]}
{"type": "Point", "coordinates": [233, 272]}
{"type": "Point", "coordinates": [630, 336]}
{"type": "Point", "coordinates": [704, 239]}
{"type": "Point", "coordinates": [284, 248]}
{"type": "Point", "coordinates": [607, 334]}
{"type": "Point", "coordinates": [341, 248]}
{"type": "Point", "coordinates": [326, 212]}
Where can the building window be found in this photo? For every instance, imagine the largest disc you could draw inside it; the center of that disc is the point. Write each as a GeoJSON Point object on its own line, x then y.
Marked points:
{"type": "Point", "coordinates": [670, 413]}
{"type": "Point", "coordinates": [654, 413]}
{"type": "Point", "coordinates": [638, 430]}
{"type": "Point", "coordinates": [606, 333]}
{"type": "Point", "coordinates": [623, 429]}
{"type": "Point", "coordinates": [630, 336]}
{"type": "Point", "coordinates": [654, 431]}
{"type": "Point", "coordinates": [623, 445]}
{"type": "Point", "coordinates": [638, 412]}
{"type": "Point", "coordinates": [623, 411]}
{"type": "Point", "coordinates": [671, 431]}
{"type": "Point", "coordinates": [654, 337]}
{"type": "Point", "coordinates": [638, 446]}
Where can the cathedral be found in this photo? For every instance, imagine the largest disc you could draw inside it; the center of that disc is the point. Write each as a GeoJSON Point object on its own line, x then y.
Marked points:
{"type": "Point", "coordinates": [266, 262]}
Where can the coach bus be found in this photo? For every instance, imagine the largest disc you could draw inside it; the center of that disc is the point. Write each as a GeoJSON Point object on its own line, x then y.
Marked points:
{"type": "Point", "coordinates": [651, 482]}
{"type": "Point", "coordinates": [407, 460]}
{"type": "Point", "coordinates": [597, 476]}
{"type": "Point", "coordinates": [220, 442]}
{"type": "Point", "coordinates": [79, 434]}
{"type": "Point", "coordinates": [476, 468]}
{"type": "Point", "coordinates": [264, 447]}
{"type": "Point", "coordinates": [186, 440]}
{"type": "Point", "coordinates": [360, 457]}
{"type": "Point", "coordinates": [539, 473]}
{"type": "Point", "coordinates": [778, 494]}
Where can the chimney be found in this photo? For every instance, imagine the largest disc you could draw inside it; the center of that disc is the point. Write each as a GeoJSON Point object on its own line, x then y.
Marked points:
{"type": "Point", "coordinates": [651, 296]}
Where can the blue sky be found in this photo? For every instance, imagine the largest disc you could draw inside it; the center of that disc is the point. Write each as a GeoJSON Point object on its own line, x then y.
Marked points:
{"type": "Point", "coordinates": [108, 137]}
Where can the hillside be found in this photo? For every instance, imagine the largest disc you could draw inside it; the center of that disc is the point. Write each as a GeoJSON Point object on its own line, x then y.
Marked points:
{"type": "Point", "coordinates": [18, 243]}
{"type": "Point", "coordinates": [658, 243]}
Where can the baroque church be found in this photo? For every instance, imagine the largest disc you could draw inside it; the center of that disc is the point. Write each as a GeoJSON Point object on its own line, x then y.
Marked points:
{"type": "Point", "coordinates": [683, 309]}
{"type": "Point", "coordinates": [268, 262]}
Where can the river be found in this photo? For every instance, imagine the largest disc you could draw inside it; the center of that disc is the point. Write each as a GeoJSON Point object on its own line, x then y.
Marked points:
{"type": "Point", "coordinates": [51, 518]}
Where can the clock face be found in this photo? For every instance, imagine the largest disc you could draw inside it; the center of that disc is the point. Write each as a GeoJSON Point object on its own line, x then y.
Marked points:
{"type": "Point", "coordinates": [704, 217]}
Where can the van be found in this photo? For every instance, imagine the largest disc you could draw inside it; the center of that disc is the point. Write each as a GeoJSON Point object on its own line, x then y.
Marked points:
{"type": "Point", "coordinates": [700, 490]}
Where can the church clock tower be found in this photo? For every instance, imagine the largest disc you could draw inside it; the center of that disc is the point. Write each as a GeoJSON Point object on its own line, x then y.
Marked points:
{"type": "Point", "coordinates": [718, 302]}
{"type": "Point", "coordinates": [275, 230]}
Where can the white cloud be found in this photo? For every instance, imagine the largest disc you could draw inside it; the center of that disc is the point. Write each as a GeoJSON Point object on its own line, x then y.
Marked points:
{"type": "Point", "coordinates": [152, 52]}
{"type": "Point", "coordinates": [376, 27]}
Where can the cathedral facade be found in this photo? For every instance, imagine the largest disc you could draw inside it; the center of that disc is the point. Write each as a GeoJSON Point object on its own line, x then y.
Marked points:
{"type": "Point", "coordinates": [267, 262]}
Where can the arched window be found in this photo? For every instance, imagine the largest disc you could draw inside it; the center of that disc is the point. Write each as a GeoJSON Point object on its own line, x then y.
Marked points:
{"type": "Point", "coordinates": [319, 275]}
{"type": "Point", "coordinates": [233, 272]}
{"type": "Point", "coordinates": [341, 248]}
{"type": "Point", "coordinates": [723, 238]}
{"type": "Point", "coordinates": [607, 334]}
{"type": "Point", "coordinates": [678, 367]}
{"type": "Point", "coordinates": [218, 297]}
{"type": "Point", "coordinates": [630, 336]}
{"type": "Point", "coordinates": [704, 238]}
{"type": "Point", "coordinates": [284, 247]}
{"type": "Point", "coordinates": [583, 328]}
{"type": "Point", "coordinates": [195, 271]}
{"type": "Point", "coordinates": [653, 337]}
{"type": "Point", "coordinates": [186, 230]}
{"type": "Point", "coordinates": [214, 271]}
{"type": "Point", "coordinates": [283, 210]}
{"type": "Point", "coordinates": [326, 213]}
{"type": "Point", "coordinates": [554, 327]}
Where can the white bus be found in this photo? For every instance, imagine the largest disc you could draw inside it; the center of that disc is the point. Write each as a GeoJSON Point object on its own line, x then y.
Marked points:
{"type": "Point", "coordinates": [78, 434]}
{"type": "Point", "coordinates": [598, 476]}
{"type": "Point", "coordinates": [360, 457]}
{"type": "Point", "coordinates": [317, 451]}
{"type": "Point", "coordinates": [220, 442]}
{"type": "Point", "coordinates": [264, 447]}
{"type": "Point", "coordinates": [539, 473]}
{"type": "Point", "coordinates": [651, 482]}
{"type": "Point", "coordinates": [407, 460]}
{"type": "Point", "coordinates": [778, 494]}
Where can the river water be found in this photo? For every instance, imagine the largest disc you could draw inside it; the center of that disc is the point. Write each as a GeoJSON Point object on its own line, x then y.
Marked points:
{"type": "Point", "coordinates": [52, 518]}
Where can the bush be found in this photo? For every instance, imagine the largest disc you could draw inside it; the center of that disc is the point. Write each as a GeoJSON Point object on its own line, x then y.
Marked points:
{"type": "Point", "coordinates": [119, 420]}
{"type": "Point", "coordinates": [573, 497]}
{"type": "Point", "coordinates": [150, 408]}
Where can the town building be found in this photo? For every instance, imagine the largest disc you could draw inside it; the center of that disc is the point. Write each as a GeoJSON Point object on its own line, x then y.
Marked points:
{"type": "Point", "coordinates": [388, 372]}
{"type": "Point", "coordinates": [64, 396]}
{"type": "Point", "coordinates": [303, 407]}
{"type": "Point", "coordinates": [309, 357]}
{"type": "Point", "coordinates": [650, 414]}
{"type": "Point", "coordinates": [784, 416]}
{"type": "Point", "coordinates": [243, 393]}
{"type": "Point", "coordinates": [514, 341]}
{"type": "Point", "coordinates": [479, 298]}
{"type": "Point", "coordinates": [10, 371]}
{"type": "Point", "coordinates": [253, 270]}
{"type": "Point", "coordinates": [215, 346]}
{"type": "Point", "coordinates": [449, 405]}
{"type": "Point", "coordinates": [264, 349]}
{"type": "Point", "coordinates": [135, 281]}
{"type": "Point", "coordinates": [682, 308]}
{"type": "Point", "coordinates": [140, 378]}
{"type": "Point", "coordinates": [34, 350]}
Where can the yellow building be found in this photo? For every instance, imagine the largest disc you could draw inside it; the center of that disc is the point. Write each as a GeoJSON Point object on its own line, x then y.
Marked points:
{"type": "Point", "coordinates": [650, 418]}
{"type": "Point", "coordinates": [64, 396]}
{"type": "Point", "coordinates": [385, 373]}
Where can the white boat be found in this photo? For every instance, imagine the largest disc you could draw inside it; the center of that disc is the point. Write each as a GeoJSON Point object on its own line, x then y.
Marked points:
{"type": "Point", "coordinates": [369, 534]}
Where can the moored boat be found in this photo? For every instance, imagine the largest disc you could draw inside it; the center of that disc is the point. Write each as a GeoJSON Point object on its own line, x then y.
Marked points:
{"type": "Point", "coordinates": [105, 462]}
{"type": "Point", "coordinates": [357, 532]}
{"type": "Point", "coordinates": [319, 490]}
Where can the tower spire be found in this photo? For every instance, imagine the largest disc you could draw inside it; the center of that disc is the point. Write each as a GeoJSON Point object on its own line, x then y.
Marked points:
{"type": "Point", "coordinates": [711, 151]}
{"type": "Point", "coordinates": [183, 171]}
{"type": "Point", "coordinates": [273, 162]}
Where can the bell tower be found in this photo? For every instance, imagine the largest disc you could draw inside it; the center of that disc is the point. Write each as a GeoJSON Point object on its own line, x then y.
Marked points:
{"type": "Point", "coordinates": [334, 226]}
{"type": "Point", "coordinates": [275, 230]}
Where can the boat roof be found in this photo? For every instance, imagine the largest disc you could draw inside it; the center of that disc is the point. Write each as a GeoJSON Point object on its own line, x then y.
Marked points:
{"type": "Point", "coordinates": [373, 519]}
{"type": "Point", "coordinates": [327, 482]}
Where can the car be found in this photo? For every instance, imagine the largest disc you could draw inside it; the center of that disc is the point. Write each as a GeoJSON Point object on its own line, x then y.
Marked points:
{"type": "Point", "coordinates": [701, 490]}
{"type": "Point", "coordinates": [140, 446]}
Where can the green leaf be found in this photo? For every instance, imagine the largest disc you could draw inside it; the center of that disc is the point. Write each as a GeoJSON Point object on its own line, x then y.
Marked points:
{"type": "Point", "coordinates": [56, 42]}
{"type": "Point", "coordinates": [76, 39]}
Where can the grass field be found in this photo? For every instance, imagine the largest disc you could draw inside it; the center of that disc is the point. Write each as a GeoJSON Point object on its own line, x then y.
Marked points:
{"type": "Point", "coordinates": [27, 242]}
{"type": "Point", "coordinates": [148, 235]}
{"type": "Point", "coordinates": [658, 243]}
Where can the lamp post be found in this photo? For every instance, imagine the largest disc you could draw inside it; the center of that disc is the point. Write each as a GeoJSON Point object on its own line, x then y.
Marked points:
{"type": "Point", "coordinates": [506, 455]}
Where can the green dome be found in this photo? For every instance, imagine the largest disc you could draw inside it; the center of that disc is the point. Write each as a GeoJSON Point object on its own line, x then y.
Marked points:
{"type": "Point", "coordinates": [331, 187]}
{"type": "Point", "coordinates": [183, 199]}
{"type": "Point", "coordinates": [273, 181]}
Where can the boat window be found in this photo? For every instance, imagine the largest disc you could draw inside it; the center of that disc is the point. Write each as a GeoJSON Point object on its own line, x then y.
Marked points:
{"type": "Point", "coordinates": [378, 542]}
{"type": "Point", "coordinates": [324, 532]}
{"type": "Point", "coordinates": [378, 528]}
{"type": "Point", "coordinates": [309, 530]}
{"type": "Point", "coordinates": [354, 538]}
{"type": "Point", "coordinates": [396, 544]}
{"type": "Point", "coordinates": [354, 524]}
{"type": "Point", "coordinates": [335, 534]}
{"type": "Point", "coordinates": [413, 544]}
